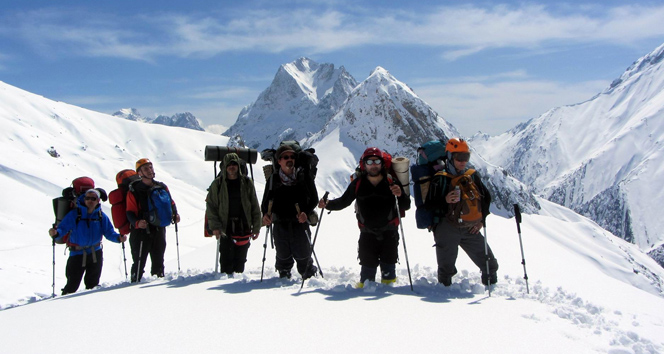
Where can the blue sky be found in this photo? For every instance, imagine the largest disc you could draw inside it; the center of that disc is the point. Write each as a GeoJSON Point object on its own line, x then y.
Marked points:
{"type": "Point", "coordinates": [481, 65]}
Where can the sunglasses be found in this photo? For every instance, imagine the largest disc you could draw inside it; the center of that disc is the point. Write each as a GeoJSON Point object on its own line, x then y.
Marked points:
{"type": "Point", "coordinates": [288, 157]}
{"type": "Point", "coordinates": [373, 162]}
{"type": "Point", "coordinates": [462, 156]}
{"type": "Point", "coordinates": [91, 198]}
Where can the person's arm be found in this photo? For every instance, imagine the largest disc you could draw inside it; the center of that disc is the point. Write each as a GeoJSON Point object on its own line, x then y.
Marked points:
{"type": "Point", "coordinates": [109, 231]}
{"type": "Point", "coordinates": [345, 200]}
{"type": "Point", "coordinates": [212, 206]}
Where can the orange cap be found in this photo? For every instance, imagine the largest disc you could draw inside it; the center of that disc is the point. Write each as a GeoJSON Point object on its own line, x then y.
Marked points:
{"type": "Point", "coordinates": [141, 162]}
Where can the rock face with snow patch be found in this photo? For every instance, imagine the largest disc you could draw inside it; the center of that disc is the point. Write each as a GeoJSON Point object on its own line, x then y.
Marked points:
{"type": "Point", "coordinates": [601, 157]}
{"type": "Point", "coordinates": [183, 120]}
{"type": "Point", "coordinates": [301, 99]}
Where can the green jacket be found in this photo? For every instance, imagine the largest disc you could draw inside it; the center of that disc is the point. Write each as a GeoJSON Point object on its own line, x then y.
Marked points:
{"type": "Point", "coordinates": [217, 200]}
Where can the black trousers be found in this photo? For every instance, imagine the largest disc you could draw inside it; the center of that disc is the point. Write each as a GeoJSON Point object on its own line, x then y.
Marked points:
{"type": "Point", "coordinates": [75, 270]}
{"type": "Point", "coordinates": [231, 256]}
{"type": "Point", "coordinates": [143, 244]}
{"type": "Point", "coordinates": [292, 245]}
{"type": "Point", "coordinates": [448, 240]}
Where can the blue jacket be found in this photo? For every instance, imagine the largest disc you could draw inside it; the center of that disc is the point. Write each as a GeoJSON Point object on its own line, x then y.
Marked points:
{"type": "Point", "coordinates": [88, 230]}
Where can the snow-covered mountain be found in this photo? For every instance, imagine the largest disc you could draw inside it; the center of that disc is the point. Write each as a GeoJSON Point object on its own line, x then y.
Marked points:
{"type": "Point", "coordinates": [590, 292]}
{"type": "Point", "coordinates": [602, 157]}
{"type": "Point", "coordinates": [301, 99]}
{"type": "Point", "coordinates": [182, 120]}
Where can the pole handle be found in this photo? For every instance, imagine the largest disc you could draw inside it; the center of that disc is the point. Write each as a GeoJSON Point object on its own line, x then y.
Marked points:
{"type": "Point", "coordinates": [517, 217]}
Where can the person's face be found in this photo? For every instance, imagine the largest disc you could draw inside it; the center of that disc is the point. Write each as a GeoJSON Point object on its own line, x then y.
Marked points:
{"type": "Point", "coordinates": [146, 171]}
{"type": "Point", "coordinates": [373, 166]}
{"type": "Point", "coordinates": [231, 170]}
{"type": "Point", "coordinates": [91, 200]}
{"type": "Point", "coordinates": [287, 161]}
{"type": "Point", "coordinates": [460, 160]}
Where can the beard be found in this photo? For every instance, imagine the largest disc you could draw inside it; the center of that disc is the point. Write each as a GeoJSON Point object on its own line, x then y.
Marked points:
{"type": "Point", "coordinates": [374, 173]}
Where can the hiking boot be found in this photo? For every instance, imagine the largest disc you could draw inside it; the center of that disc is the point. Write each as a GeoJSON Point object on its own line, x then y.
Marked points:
{"type": "Point", "coordinates": [388, 281]}
{"type": "Point", "coordinates": [285, 273]}
{"type": "Point", "coordinates": [447, 281]}
{"type": "Point", "coordinates": [493, 277]}
{"type": "Point", "coordinates": [311, 271]}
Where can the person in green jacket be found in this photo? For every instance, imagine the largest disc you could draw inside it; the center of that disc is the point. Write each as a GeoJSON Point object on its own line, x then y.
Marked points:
{"type": "Point", "coordinates": [233, 213]}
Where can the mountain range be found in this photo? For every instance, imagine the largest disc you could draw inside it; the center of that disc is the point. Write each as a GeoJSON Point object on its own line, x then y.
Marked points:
{"type": "Point", "coordinates": [601, 158]}
{"type": "Point", "coordinates": [183, 120]}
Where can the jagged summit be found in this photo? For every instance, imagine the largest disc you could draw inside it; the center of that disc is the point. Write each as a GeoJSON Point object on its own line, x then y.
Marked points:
{"type": "Point", "coordinates": [301, 99]}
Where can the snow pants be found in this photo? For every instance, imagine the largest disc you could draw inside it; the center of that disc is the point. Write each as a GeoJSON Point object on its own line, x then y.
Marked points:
{"type": "Point", "coordinates": [143, 244]}
{"type": "Point", "coordinates": [292, 244]}
{"type": "Point", "coordinates": [75, 270]}
{"type": "Point", "coordinates": [378, 249]}
{"type": "Point", "coordinates": [449, 238]}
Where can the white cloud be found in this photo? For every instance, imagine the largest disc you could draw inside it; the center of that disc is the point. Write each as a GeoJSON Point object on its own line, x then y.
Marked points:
{"type": "Point", "coordinates": [494, 108]}
{"type": "Point", "coordinates": [459, 30]}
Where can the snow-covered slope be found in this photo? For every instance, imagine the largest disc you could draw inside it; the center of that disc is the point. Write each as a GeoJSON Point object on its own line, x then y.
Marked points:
{"type": "Point", "coordinates": [602, 157]}
{"type": "Point", "coordinates": [302, 97]}
{"type": "Point", "coordinates": [589, 291]}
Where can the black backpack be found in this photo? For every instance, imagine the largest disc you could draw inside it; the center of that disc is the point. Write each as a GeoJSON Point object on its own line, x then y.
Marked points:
{"type": "Point", "coordinates": [305, 158]}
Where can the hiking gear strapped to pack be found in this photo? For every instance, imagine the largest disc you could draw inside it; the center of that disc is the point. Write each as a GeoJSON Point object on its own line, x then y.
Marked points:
{"type": "Point", "coordinates": [469, 208]}
{"type": "Point", "coordinates": [517, 218]}
{"type": "Point", "coordinates": [118, 199]}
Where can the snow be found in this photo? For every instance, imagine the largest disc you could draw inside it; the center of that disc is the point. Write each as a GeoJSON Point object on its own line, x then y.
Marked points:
{"type": "Point", "coordinates": [589, 291]}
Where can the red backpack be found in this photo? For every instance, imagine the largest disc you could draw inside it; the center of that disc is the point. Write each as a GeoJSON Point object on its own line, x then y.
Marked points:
{"type": "Point", "coordinates": [118, 199]}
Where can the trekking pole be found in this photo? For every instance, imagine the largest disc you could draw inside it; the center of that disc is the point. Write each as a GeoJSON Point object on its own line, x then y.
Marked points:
{"type": "Point", "coordinates": [140, 255]}
{"type": "Point", "coordinates": [53, 239]}
{"type": "Point", "coordinates": [403, 236]}
{"type": "Point", "coordinates": [268, 231]}
{"type": "Point", "coordinates": [124, 255]}
{"type": "Point", "coordinates": [486, 254]}
{"type": "Point", "coordinates": [320, 219]}
{"type": "Point", "coordinates": [307, 233]}
{"type": "Point", "coordinates": [517, 217]}
{"type": "Point", "coordinates": [216, 256]}
{"type": "Point", "coordinates": [177, 245]}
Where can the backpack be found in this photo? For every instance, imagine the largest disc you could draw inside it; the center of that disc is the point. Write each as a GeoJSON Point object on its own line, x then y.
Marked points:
{"type": "Point", "coordinates": [305, 158]}
{"type": "Point", "coordinates": [431, 158]}
{"type": "Point", "coordinates": [118, 199]}
{"type": "Point", "coordinates": [160, 210]}
{"type": "Point", "coordinates": [67, 202]}
{"type": "Point", "coordinates": [469, 208]}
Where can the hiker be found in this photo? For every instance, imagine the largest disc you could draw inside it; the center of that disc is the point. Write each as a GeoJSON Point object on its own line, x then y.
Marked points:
{"type": "Point", "coordinates": [375, 190]}
{"type": "Point", "coordinates": [149, 210]}
{"type": "Point", "coordinates": [85, 224]}
{"type": "Point", "coordinates": [234, 215]}
{"type": "Point", "coordinates": [288, 189]}
{"type": "Point", "coordinates": [458, 216]}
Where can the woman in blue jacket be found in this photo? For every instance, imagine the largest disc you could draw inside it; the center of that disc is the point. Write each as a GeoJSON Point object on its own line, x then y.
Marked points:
{"type": "Point", "coordinates": [85, 224]}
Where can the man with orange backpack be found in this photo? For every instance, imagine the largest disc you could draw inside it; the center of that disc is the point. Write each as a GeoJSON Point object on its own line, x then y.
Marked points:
{"type": "Point", "coordinates": [375, 189]}
{"type": "Point", "coordinates": [461, 204]}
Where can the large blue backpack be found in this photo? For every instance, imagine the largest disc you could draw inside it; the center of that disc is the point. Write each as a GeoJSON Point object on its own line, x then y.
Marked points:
{"type": "Point", "coordinates": [430, 158]}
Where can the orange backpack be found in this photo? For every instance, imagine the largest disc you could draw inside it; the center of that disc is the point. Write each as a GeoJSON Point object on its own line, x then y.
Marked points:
{"type": "Point", "coordinates": [469, 209]}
